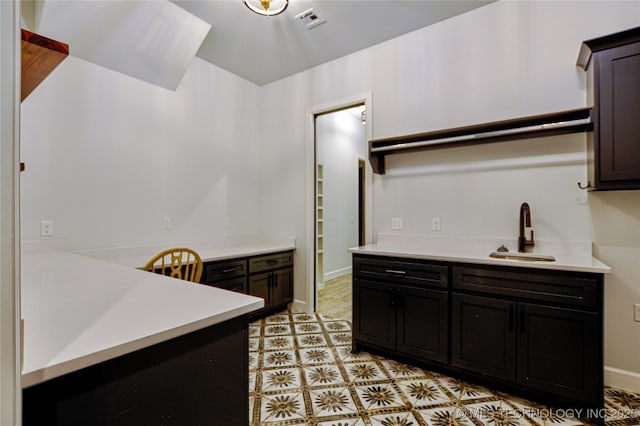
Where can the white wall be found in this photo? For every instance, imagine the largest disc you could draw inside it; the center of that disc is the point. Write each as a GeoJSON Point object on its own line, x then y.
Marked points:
{"type": "Point", "coordinates": [340, 142]}
{"type": "Point", "coordinates": [109, 156]}
{"type": "Point", "coordinates": [504, 60]}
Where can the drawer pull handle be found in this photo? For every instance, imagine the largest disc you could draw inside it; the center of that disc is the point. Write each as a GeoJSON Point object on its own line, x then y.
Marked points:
{"type": "Point", "coordinates": [395, 271]}
{"type": "Point", "coordinates": [224, 271]}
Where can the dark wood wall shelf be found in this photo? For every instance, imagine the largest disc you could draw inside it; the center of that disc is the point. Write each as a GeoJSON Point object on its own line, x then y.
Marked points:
{"type": "Point", "coordinates": [40, 56]}
{"type": "Point", "coordinates": [557, 123]}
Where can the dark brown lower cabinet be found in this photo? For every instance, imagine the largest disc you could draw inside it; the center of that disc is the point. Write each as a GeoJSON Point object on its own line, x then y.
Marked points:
{"type": "Point", "coordinates": [268, 276]}
{"type": "Point", "coordinates": [558, 352]}
{"type": "Point", "coordinates": [537, 329]}
{"type": "Point", "coordinates": [402, 307]}
{"type": "Point", "coordinates": [271, 278]}
{"type": "Point", "coordinates": [274, 287]}
{"type": "Point", "coordinates": [534, 331]}
{"type": "Point", "coordinates": [411, 321]}
{"type": "Point", "coordinates": [539, 347]}
{"type": "Point", "coordinates": [198, 379]}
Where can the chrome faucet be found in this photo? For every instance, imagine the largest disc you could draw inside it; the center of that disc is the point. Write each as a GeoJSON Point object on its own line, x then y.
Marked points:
{"type": "Point", "coordinates": [526, 230]}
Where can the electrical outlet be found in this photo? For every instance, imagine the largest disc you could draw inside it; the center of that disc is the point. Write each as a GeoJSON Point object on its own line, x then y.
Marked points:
{"type": "Point", "coordinates": [46, 228]}
{"type": "Point", "coordinates": [636, 312]}
{"type": "Point", "coordinates": [227, 222]}
{"type": "Point", "coordinates": [396, 223]}
{"type": "Point", "coordinates": [166, 223]}
{"type": "Point", "coordinates": [435, 224]}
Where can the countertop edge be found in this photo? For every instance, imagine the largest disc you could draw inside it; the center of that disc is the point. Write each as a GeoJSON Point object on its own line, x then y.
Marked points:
{"type": "Point", "coordinates": [596, 267]}
{"type": "Point", "coordinates": [206, 254]}
{"type": "Point", "coordinates": [51, 372]}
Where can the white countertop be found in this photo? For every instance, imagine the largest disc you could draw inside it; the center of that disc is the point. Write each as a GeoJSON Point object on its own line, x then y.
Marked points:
{"type": "Point", "coordinates": [137, 257]}
{"type": "Point", "coordinates": [79, 311]}
{"type": "Point", "coordinates": [570, 255]}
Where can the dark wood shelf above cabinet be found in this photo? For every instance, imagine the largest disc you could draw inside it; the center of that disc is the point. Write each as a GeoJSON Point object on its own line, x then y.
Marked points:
{"type": "Point", "coordinates": [557, 123]}
{"type": "Point", "coordinates": [40, 56]}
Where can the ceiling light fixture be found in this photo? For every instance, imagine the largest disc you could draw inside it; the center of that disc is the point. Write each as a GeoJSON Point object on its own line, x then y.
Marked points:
{"type": "Point", "coordinates": [266, 7]}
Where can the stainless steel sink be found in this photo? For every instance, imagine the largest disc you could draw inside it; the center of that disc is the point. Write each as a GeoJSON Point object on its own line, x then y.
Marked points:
{"type": "Point", "coordinates": [531, 257]}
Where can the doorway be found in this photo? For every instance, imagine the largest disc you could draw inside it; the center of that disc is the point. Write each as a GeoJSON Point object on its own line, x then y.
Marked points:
{"type": "Point", "coordinates": [341, 188]}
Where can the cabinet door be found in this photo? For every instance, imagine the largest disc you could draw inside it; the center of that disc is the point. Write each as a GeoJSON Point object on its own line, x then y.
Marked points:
{"type": "Point", "coordinates": [484, 335]}
{"type": "Point", "coordinates": [374, 318]}
{"type": "Point", "coordinates": [282, 286]}
{"type": "Point", "coordinates": [558, 352]}
{"type": "Point", "coordinates": [618, 108]}
{"type": "Point", "coordinates": [422, 325]}
{"type": "Point", "coordinates": [260, 286]}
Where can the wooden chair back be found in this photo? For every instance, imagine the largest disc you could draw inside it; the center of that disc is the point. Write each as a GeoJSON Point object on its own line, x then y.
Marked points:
{"type": "Point", "coordinates": [179, 262]}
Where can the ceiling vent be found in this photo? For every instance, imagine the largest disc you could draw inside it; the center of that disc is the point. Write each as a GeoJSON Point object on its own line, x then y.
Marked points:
{"type": "Point", "coordinates": [310, 19]}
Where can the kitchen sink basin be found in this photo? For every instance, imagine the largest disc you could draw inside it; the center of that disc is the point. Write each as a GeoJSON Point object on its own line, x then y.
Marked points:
{"type": "Point", "coordinates": [531, 257]}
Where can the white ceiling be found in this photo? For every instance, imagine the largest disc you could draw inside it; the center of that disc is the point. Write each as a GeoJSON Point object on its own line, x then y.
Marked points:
{"type": "Point", "coordinates": [155, 40]}
{"type": "Point", "coordinates": [263, 50]}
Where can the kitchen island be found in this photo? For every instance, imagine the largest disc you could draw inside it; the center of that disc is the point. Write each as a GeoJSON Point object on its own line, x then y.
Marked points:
{"type": "Point", "coordinates": [108, 344]}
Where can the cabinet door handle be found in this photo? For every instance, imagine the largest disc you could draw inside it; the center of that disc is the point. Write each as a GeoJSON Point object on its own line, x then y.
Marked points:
{"type": "Point", "coordinates": [522, 316]}
{"type": "Point", "coordinates": [395, 271]}
{"type": "Point", "coordinates": [512, 318]}
{"type": "Point", "coordinates": [392, 301]}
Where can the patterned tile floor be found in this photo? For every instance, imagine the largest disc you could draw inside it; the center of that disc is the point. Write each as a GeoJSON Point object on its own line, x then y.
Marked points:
{"type": "Point", "coordinates": [302, 372]}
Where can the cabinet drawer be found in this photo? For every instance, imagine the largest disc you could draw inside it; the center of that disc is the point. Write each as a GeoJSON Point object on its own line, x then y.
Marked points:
{"type": "Point", "coordinates": [238, 284]}
{"type": "Point", "coordinates": [219, 271]}
{"type": "Point", "coordinates": [270, 261]}
{"type": "Point", "coordinates": [556, 287]}
{"type": "Point", "coordinates": [416, 273]}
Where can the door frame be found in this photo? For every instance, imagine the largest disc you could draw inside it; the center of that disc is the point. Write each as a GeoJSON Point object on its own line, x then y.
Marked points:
{"type": "Point", "coordinates": [311, 151]}
{"type": "Point", "coordinates": [10, 336]}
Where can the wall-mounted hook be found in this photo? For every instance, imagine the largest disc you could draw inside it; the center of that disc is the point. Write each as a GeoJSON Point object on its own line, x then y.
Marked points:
{"type": "Point", "coordinates": [584, 187]}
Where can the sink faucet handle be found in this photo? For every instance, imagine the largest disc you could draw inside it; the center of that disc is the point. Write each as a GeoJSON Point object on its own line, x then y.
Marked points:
{"type": "Point", "coordinates": [526, 230]}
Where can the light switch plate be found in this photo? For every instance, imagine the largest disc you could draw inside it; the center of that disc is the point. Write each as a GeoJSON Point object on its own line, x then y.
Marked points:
{"type": "Point", "coordinates": [396, 223]}
{"type": "Point", "coordinates": [636, 312]}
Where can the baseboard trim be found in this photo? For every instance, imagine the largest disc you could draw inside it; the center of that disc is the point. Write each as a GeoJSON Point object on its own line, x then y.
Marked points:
{"type": "Point", "coordinates": [622, 379]}
{"type": "Point", "coordinates": [337, 273]}
{"type": "Point", "coordinates": [300, 306]}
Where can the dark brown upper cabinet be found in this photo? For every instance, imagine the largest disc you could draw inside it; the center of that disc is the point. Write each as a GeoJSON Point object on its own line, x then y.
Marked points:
{"type": "Point", "coordinates": [612, 63]}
